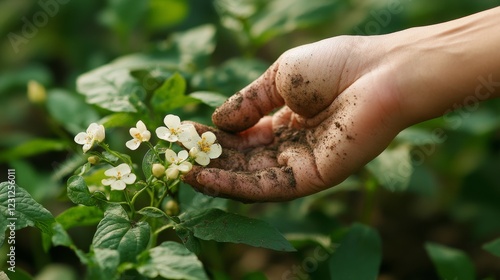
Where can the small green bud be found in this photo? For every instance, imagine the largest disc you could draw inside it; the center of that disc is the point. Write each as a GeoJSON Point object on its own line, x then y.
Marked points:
{"type": "Point", "coordinates": [171, 208]}
{"type": "Point", "coordinates": [93, 160]}
{"type": "Point", "coordinates": [158, 170]}
{"type": "Point", "coordinates": [36, 92]}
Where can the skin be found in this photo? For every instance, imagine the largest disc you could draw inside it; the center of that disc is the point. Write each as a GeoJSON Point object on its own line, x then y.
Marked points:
{"type": "Point", "coordinates": [339, 102]}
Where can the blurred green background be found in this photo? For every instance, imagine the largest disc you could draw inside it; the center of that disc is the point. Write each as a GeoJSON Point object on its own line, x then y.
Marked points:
{"type": "Point", "coordinates": [452, 197]}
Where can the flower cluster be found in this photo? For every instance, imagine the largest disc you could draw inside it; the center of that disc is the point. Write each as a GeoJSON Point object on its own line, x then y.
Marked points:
{"type": "Point", "coordinates": [198, 149]}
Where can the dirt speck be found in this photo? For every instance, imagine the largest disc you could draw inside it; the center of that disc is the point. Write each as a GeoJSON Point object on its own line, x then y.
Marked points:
{"type": "Point", "coordinates": [297, 80]}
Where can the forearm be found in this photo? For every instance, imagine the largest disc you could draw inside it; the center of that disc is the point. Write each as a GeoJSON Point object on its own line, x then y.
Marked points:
{"type": "Point", "coordinates": [447, 65]}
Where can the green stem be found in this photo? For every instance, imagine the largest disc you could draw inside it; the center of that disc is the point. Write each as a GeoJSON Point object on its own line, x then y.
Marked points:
{"type": "Point", "coordinates": [130, 204]}
{"type": "Point", "coordinates": [154, 235]}
{"type": "Point", "coordinates": [118, 155]}
{"type": "Point", "coordinates": [166, 192]}
{"type": "Point", "coordinates": [138, 193]}
{"type": "Point", "coordinates": [155, 151]}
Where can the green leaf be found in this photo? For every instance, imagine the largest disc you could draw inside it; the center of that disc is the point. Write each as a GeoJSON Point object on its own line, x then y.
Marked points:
{"type": "Point", "coordinates": [450, 263]}
{"type": "Point", "coordinates": [283, 16]}
{"type": "Point", "coordinates": [493, 247]}
{"type": "Point", "coordinates": [231, 76]}
{"type": "Point", "coordinates": [163, 14]}
{"type": "Point", "coordinates": [113, 87]}
{"type": "Point", "coordinates": [211, 99]}
{"type": "Point", "coordinates": [393, 168]}
{"type": "Point", "coordinates": [118, 120]}
{"type": "Point", "coordinates": [103, 264]}
{"type": "Point", "coordinates": [259, 21]}
{"type": "Point", "coordinates": [358, 255]}
{"type": "Point", "coordinates": [194, 47]}
{"type": "Point", "coordinates": [110, 87]}
{"type": "Point", "coordinates": [187, 237]}
{"type": "Point", "coordinates": [79, 193]}
{"type": "Point", "coordinates": [70, 110]}
{"type": "Point", "coordinates": [80, 216]}
{"type": "Point", "coordinates": [152, 212]}
{"type": "Point", "coordinates": [148, 161]}
{"type": "Point", "coordinates": [33, 147]}
{"type": "Point", "coordinates": [171, 260]}
{"type": "Point", "coordinates": [171, 95]}
{"type": "Point", "coordinates": [20, 210]}
{"type": "Point", "coordinates": [192, 201]}
{"type": "Point", "coordinates": [221, 226]}
{"type": "Point", "coordinates": [116, 231]}
{"type": "Point", "coordinates": [60, 236]}
{"type": "Point", "coordinates": [18, 77]}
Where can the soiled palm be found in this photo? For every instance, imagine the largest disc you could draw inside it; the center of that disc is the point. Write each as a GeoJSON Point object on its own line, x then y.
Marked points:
{"type": "Point", "coordinates": [336, 115]}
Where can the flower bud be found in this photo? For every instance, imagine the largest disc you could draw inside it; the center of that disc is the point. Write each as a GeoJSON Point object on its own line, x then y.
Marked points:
{"type": "Point", "coordinates": [171, 208]}
{"type": "Point", "coordinates": [158, 170]}
{"type": "Point", "coordinates": [93, 160]}
{"type": "Point", "coordinates": [36, 92]}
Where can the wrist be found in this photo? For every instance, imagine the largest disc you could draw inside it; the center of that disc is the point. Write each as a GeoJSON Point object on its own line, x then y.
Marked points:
{"type": "Point", "coordinates": [442, 67]}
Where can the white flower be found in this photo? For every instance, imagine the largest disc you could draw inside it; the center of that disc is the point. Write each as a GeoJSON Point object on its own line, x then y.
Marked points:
{"type": "Point", "coordinates": [94, 133]}
{"type": "Point", "coordinates": [204, 148]}
{"type": "Point", "coordinates": [175, 131]}
{"type": "Point", "coordinates": [120, 177]}
{"type": "Point", "coordinates": [140, 134]}
{"type": "Point", "coordinates": [177, 162]}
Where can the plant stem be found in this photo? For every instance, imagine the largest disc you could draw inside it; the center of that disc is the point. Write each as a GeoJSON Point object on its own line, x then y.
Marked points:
{"type": "Point", "coordinates": [116, 154]}
{"type": "Point", "coordinates": [130, 204]}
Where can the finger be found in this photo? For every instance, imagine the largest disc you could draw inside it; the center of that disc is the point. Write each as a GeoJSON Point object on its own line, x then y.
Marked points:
{"type": "Point", "coordinates": [245, 108]}
{"type": "Point", "coordinates": [301, 159]}
{"type": "Point", "coordinates": [258, 135]}
{"type": "Point", "coordinates": [269, 184]}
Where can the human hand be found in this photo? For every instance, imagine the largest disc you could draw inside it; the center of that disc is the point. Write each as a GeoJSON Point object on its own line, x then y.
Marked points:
{"type": "Point", "coordinates": [342, 101]}
{"type": "Point", "coordinates": [339, 110]}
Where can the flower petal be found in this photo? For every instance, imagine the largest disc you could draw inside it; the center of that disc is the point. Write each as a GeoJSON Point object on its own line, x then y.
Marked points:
{"type": "Point", "coordinates": [81, 138]}
{"type": "Point", "coordinates": [100, 133]}
{"type": "Point", "coordinates": [87, 147]}
{"type": "Point", "coordinates": [108, 181]}
{"type": "Point", "coordinates": [208, 137]}
{"type": "Point", "coordinates": [123, 168]}
{"type": "Point", "coordinates": [118, 185]}
{"type": "Point", "coordinates": [163, 132]}
{"type": "Point", "coordinates": [141, 126]}
{"type": "Point", "coordinates": [170, 156]}
{"type": "Point", "coordinates": [134, 131]}
{"type": "Point", "coordinates": [185, 166]}
{"type": "Point", "coordinates": [202, 159]}
{"type": "Point", "coordinates": [146, 135]}
{"type": "Point", "coordinates": [93, 127]}
{"type": "Point", "coordinates": [129, 178]}
{"type": "Point", "coordinates": [183, 155]}
{"type": "Point", "coordinates": [172, 121]}
{"type": "Point", "coordinates": [172, 172]}
{"type": "Point", "coordinates": [112, 172]}
{"type": "Point", "coordinates": [215, 151]}
{"type": "Point", "coordinates": [133, 144]}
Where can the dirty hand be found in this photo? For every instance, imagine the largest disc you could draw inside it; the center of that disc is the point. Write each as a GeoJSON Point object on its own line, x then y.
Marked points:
{"type": "Point", "coordinates": [342, 100]}
{"type": "Point", "coordinates": [338, 111]}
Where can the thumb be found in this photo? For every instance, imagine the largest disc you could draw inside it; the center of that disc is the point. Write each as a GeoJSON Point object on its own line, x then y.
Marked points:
{"type": "Point", "coordinates": [246, 107]}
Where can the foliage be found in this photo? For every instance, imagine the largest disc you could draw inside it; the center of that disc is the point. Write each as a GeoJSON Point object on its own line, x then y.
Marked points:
{"type": "Point", "coordinates": [432, 194]}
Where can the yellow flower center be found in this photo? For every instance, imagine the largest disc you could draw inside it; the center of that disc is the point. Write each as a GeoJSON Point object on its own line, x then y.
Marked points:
{"type": "Point", "coordinates": [204, 146]}
{"type": "Point", "coordinates": [138, 136]}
